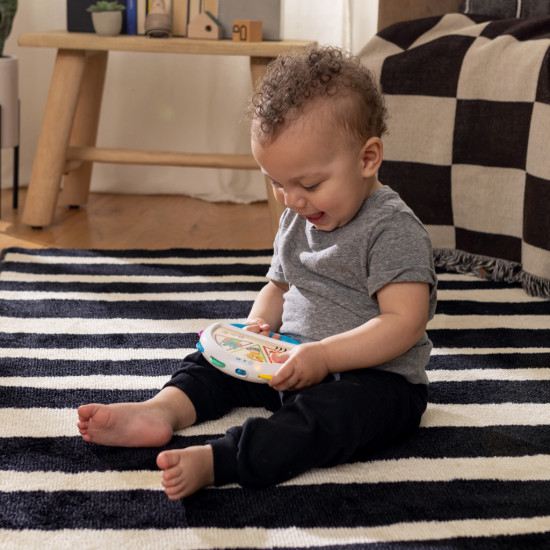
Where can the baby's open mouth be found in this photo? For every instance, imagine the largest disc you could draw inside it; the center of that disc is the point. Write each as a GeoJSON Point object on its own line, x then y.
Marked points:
{"type": "Point", "coordinates": [315, 217]}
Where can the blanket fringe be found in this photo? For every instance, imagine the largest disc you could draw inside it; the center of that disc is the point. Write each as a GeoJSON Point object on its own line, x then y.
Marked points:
{"type": "Point", "coordinates": [494, 269]}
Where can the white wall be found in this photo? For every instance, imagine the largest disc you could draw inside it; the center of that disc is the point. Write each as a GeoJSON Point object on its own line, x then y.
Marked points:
{"type": "Point", "coordinates": [171, 102]}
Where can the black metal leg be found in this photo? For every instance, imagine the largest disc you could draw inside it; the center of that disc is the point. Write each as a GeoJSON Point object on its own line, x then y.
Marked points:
{"type": "Point", "coordinates": [16, 177]}
{"type": "Point", "coordinates": [15, 162]}
{"type": "Point", "coordinates": [16, 159]}
{"type": "Point", "coordinates": [0, 161]}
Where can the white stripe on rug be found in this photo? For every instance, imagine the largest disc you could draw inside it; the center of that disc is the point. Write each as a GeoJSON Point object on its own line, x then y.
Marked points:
{"type": "Point", "coordinates": [129, 296]}
{"type": "Point", "coordinates": [255, 537]}
{"type": "Point", "coordinates": [480, 415]}
{"type": "Point", "coordinates": [508, 295]}
{"type": "Point", "coordinates": [488, 351]}
{"type": "Point", "coordinates": [95, 354]}
{"type": "Point", "coordinates": [461, 277]}
{"type": "Point", "coordinates": [44, 422]}
{"type": "Point", "coordinates": [477, 296]}
{"type": "Point", "coordinates": [93, 382]}
{"type": "Point", "coordinates": [76, 325]}
{"type": "Point", "coordinates": [517, 468]}
{"type": "Point", "coordinates": [18, 257]}
{"type": "Point", "coordinates": [464, 322]}
{"type": "Point", "coordinates": [15, 276]}
{"type": "Point", "coordinates": [504, 375]}
{"type": "Point", "coordinates": [126, 354]}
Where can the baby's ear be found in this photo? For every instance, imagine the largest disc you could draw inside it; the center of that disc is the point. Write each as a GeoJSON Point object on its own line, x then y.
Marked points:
{"type": "Point", "coordinates": [371, 156]}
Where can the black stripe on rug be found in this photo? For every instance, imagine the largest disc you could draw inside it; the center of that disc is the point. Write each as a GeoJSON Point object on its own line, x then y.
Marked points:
{"type": "Point", "coordinates": [68, 455]}
{"type": "Point", "coordinates": [464, 393]}
{"type": "Point", "coordinates": [301, 507]}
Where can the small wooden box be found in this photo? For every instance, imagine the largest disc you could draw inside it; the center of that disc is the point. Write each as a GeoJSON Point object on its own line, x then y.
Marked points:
{"type": "Point", "coordinates": [245, 30]}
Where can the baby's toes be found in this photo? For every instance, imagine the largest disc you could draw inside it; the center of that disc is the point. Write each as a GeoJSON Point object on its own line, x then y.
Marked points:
{"type": "Point", "coordinates": [175, 493]}
{"type": "Point", "coordinates": [168, 460]}
{"type": "Point", "coordinates": [82, 427]}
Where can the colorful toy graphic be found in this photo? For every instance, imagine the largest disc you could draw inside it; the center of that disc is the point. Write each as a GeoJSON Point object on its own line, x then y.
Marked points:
{"type": "Point", "coordinates": [241, 353]}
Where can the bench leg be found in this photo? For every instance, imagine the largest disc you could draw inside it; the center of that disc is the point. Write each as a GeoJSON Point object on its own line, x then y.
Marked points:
{"type": "Point", "coordinates": [258, 66]}
{"type": "Point", "coordinates": [76, 185]}
{"type": "Point", "coordinates": [50, 157]}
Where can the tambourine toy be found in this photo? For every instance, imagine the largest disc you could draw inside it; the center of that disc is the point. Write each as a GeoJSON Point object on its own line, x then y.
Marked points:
{"type": "Point", "coordinates": [241, 353]}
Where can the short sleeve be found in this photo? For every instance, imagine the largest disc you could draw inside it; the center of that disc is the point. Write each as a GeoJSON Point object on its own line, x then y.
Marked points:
{"type": "Point", "coordinates": [400, 251]}
{"type": "Point", "coordinates": [275, 271]}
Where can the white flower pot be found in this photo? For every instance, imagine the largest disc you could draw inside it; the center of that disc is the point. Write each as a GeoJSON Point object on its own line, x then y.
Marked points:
{"type": "Point", "coordinates": [107, 23]}
{"type": "Point", "coordinates": [9, 100]}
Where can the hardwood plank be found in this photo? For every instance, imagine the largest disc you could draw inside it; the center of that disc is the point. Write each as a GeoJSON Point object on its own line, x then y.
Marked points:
{"type": "Point", "coordinates": [142, 221]}
{"type": "Point", "coordinates": [7, 242]}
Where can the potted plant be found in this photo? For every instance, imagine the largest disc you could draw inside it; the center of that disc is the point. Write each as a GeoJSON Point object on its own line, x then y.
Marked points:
{"type": "Point", "coordinates": [7, 13]}
{"type": "Point", "coordinates": [9, 80]}
{"type": "Point", "coordinates": [107, 17]}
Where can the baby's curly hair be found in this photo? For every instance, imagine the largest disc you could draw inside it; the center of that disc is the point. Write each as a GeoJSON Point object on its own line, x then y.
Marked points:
{"type": "Point", "coordinates": [292, 81]}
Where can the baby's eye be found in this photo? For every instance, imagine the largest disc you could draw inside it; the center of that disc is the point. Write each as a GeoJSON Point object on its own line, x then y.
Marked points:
{"type": "Point", "coordinates": [275, 183]}
{"type": "Point", "coordinates": [312, 187]}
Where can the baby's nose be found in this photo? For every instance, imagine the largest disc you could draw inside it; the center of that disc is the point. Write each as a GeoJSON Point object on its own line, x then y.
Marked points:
{"type": "Point", "coordinates": [294, 199]}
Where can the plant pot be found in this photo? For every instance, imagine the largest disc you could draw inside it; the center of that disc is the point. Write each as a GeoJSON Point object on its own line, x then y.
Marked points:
{"type": "Point", "coordinates": [9, 100]}
{"type": "Point", "coordinates": [107, 23]}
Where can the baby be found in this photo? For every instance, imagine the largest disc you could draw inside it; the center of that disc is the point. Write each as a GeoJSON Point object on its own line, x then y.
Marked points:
{"type": "Point", "coordinates": [351, 278]}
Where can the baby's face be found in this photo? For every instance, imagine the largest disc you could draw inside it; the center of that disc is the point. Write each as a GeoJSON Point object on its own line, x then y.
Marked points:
{"type": "Point", "coordinates": [316, 171]}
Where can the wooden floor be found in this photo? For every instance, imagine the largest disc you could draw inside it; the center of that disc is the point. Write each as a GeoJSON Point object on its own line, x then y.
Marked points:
{"type": "Point", "coordinates": [141, 221]}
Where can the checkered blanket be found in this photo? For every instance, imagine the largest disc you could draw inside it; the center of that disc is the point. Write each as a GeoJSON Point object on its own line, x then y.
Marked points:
{"type": "Point", "coordinates": [469, 135]}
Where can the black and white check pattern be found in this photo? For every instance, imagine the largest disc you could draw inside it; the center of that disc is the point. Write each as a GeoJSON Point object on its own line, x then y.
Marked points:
{"type": "Point", "coordinates": [469, 130]}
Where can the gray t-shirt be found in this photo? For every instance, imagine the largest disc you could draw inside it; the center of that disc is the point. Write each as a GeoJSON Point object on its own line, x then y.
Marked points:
{"type": "Point", "coordinates": [334, 275]}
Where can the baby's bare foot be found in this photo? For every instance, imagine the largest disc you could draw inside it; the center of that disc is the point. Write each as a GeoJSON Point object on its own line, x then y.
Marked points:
{"type": "Point", "coordinates": [186, 470]}
{"type": "Point", "coordinates": [124, 425]}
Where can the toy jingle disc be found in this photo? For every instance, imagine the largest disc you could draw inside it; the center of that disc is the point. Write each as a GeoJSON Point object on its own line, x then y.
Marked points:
{"type": "Point", "coordinates": [241, 353]}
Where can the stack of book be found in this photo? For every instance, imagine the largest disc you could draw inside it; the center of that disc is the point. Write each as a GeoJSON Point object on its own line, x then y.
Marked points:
{"type": "Point", "coordinates": [182, 11]}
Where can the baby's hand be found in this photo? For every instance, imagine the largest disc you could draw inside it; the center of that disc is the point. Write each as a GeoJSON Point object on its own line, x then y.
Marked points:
{"type": "Point", "coordinates": [259, 326]}
{"type": "Point", "coordinates": [303, 366]}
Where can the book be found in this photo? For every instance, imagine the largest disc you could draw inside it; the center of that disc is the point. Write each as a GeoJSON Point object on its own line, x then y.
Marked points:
{"type": "Point", "coordinates": [141, 10]}
{"type": "Point", "coordinates": [195, 9]}
{"type": "Point", "coordinates": [131, 16]}
{"type": "Point", "coordinates": [180, 16]}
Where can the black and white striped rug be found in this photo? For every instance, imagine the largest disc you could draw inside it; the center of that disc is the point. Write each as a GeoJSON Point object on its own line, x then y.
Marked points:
{"type": "Point", "coordinates": [81, 326]}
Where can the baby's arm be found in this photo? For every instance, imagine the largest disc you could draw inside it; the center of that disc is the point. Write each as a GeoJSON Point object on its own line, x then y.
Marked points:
{"type": "Point", "coordinates": [402, 321]}
{"type": "Point", "coordinates": [267, 311]}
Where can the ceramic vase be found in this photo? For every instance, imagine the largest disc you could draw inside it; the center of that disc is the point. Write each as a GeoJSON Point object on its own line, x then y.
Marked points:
{"type": "Point", "coordinates": [9, 100]}
{"type": "Point", "coordinates": [107, 23]}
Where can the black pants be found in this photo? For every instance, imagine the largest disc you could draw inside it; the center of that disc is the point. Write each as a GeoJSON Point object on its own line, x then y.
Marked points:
{"type": "Point", "coordinates": [323, 425]}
